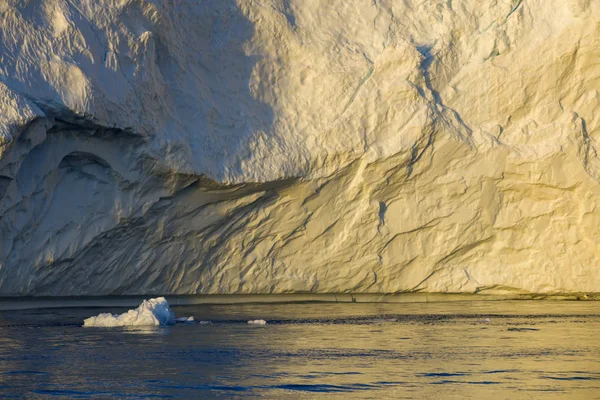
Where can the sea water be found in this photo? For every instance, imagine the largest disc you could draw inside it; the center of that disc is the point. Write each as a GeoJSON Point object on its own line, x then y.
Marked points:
{"type": "Point", "coordinates": [455, 350]}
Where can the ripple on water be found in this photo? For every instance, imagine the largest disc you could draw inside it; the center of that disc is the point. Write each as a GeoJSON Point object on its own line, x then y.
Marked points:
{"type": "Point", "coordinates": [573, 378]}
{"type": "Point", "coordinates": [443, 374]}
{"type": "Point", "coordinates": [24, 373]}
{"type": "Point", "coordinates": [323, 387]}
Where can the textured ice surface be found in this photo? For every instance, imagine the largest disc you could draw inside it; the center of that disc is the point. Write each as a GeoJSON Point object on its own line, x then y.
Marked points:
{"type": "Point", "coordinates": [294, 146]}
{"type": "Point", "coordinates": [153, 312]}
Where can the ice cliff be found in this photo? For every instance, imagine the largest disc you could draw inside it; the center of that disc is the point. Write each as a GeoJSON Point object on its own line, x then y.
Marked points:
{"type": "Point", "coordinates": [274, 146]}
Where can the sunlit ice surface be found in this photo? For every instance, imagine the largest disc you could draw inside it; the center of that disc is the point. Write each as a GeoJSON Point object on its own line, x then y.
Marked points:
{"type": "Point", "coordinates": [470, 349]}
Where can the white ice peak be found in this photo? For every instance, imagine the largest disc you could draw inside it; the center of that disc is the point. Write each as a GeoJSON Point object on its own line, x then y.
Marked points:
{"type": "Point", "coordinates": [153, 312]}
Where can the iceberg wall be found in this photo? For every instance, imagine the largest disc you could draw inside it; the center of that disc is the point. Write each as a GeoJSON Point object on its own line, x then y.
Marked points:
{"type": "Point", "coordinates": [279, 146]}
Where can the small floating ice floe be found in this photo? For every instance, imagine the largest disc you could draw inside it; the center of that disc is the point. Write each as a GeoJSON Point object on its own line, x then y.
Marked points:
{"type": "Point", "coordinates": [257, 322]}
{"type": "Point", "coordinates": [185, 320]}
{"type": "Point", "coordinates": [153, 312]}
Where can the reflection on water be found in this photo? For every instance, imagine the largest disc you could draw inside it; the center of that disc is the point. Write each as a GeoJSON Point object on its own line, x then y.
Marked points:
{"type": "Point", "coordinates": [145, 330]}
{"type": "Point", "coordinates": [444, 350]}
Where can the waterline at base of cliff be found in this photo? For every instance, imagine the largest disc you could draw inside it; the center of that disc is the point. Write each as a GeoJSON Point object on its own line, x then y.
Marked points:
{"type": "Point", "coordinates": [23, 303]}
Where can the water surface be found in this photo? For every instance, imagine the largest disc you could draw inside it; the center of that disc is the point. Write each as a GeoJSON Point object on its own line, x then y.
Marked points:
{"type": "Point", "coordinates": [509, 349]}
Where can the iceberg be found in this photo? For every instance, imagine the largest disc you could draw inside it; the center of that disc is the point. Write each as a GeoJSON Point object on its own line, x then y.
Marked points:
{"type": "Point", "coordinates": [153, 312]}
{"type": "Point", "coordinates": [185, 320]}
{"type": "Point", "coordinates": [257, 322]}
{"type": "Point", "coordinates": [367, 147]}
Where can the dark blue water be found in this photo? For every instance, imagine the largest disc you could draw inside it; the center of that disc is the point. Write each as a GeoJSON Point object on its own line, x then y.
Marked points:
{"type": "Point", "coordinates": [492, 350]}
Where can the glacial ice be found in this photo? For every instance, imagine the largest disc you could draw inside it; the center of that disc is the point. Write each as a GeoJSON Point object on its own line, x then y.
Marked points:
{"type": "Point", "coordinates": [153, 312]}
{"type": "Point", "coordinates": [257, 322]}
{"type": "Point", "coordinates": [299, 146]}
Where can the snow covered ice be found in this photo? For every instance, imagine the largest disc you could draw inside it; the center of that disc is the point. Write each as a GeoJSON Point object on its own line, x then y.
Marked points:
{"type": "Point", "coordinates": [153, 312]}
